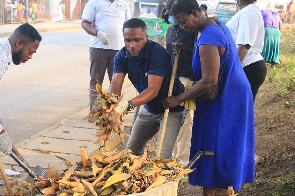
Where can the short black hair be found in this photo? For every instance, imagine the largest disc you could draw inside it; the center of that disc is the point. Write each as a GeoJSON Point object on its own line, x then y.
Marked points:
{"type": "Point", "coordinates": [249, 1]}
{"type": "Point", "coordinates": [204, 6]}
{"type": "Point", "coordinates": [28, 33]}
{"type": "Point", "coordinates": [184, 6]}
{"type": "Point", "coordinates": [169, 6]}
{"type": "Point", "coordinates": [165, 16]}
{"type": "Point", "coordinates": [166, 11]}
{"type": "Point", "coordinates": [135, 23]}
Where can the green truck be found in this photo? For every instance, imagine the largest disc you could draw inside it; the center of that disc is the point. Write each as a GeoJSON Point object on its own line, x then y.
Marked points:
{"type": "Point", "coordinates": [150, 11]}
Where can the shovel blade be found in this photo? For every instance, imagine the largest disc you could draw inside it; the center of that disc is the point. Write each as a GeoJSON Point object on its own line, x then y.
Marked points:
{"type": "Point", "coordinates": [39, 171]}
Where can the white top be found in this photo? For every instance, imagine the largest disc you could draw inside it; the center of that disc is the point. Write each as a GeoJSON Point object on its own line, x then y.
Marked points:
{"type": "Point", "coordinates": [109, 18]}
{"type": "Point", "coordinates": [5, 55]}
{"type": "Point", "coordinates": [247, 27]}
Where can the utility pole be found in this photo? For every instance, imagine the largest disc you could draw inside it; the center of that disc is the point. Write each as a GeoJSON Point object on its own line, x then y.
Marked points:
{"type": "Point", "coordinates": [27, 10]}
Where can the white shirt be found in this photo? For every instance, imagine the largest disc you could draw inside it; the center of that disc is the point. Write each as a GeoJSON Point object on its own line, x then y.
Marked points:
{"type": "Point", "coordinates": [5, 55]}
{"type": "Point", "coordinates": [109, 18]}
{"type": "Point", "coordinates": [247, 27]}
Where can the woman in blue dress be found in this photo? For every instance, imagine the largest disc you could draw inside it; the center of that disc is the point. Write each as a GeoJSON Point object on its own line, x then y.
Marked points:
{"type": "Point", "coordinates": [224, 125]}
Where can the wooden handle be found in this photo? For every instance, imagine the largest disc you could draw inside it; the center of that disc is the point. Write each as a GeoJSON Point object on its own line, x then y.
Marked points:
{"type": "Point", "coordinates": [174, 68]}
{"type": "Point", "coordinates": [5, 179]}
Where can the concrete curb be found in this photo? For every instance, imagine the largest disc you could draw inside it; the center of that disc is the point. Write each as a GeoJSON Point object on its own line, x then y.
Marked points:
{"type": "Point", "coordinates": [7, 29]}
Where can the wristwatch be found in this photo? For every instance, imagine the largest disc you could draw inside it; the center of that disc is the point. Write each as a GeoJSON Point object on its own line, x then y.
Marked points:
{"type": "Point", "coordinates": [131, 105]}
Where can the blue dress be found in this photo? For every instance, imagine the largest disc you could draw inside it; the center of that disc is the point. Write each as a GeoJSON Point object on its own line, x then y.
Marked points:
{"type": "Point", "coordinates": [226, 124]}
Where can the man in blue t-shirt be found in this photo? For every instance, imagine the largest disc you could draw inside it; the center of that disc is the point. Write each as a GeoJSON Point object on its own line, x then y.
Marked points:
{"type": "Point", "coordinates": [149, 69]}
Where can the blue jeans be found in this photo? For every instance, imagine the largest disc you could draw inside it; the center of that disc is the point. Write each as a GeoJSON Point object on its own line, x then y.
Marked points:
{"type": "Point", "coordinates": [148, 124]}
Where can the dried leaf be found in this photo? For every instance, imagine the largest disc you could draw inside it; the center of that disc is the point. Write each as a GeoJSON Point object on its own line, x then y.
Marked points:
{"type": "Point", "coordinates": [89, 187]}
{"type": "Point", "coordinates": [84, 157]}
{"type": "Point", "coordinates": [99, 88]}
{"type": "Point", "coordinates": [64, 194]}
{"type": "Point", "coordinates": [107, 191]}
{"type": "Point", "coordinates": [276, 125]}
{"type": "Point", "coordinates": [76, 186]}
{"type": "Point", "coordinates": [115, 179]}
{"type": "Point", "coordinates": [158, 181]}
{"type": "Point", "coordinates": [95, 169]}
{"type": "Point", "coordinates": [83, 174]}
{"type": "Point", "coordinates": [116, 156]}
{"type": "Point", "coordinates": [78, 194]}
{"type": "Point", "coordinates": [101, 136]}
{"type": "Point", "coordinates": [67, 162]}
{"type": "Point", "coordinates": [49, 191]}
{"type": "Point", "coordinates": [183, 173]}
{"type": "Point", "coordinates": [68, 173]}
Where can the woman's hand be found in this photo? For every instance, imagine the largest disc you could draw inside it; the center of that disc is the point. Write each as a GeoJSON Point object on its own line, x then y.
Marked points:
{"type": "Point", "coordinates": [170, 102]}
{"type": "Point", "coordinates": [181, 49]}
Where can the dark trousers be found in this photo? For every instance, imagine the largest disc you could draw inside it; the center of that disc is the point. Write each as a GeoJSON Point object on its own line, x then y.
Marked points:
{"type": "Point", "coordinates": [101, 60]}
{"type": "Point", "coordinates": [256, 73]}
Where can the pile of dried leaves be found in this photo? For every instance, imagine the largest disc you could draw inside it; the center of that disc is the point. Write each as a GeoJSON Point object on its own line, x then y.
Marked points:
{"type": "Point", "coordinates": [120, 174]}
{"type": "Point", "coordinates": [109, 170]}
{"type": "Point", "coordinates": [107, 119]}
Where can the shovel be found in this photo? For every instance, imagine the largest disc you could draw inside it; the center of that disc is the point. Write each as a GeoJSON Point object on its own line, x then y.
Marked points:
{"type": "Point", "coordinates": [198, 156]}
{"type": "Point", "coordinates": [35, 172]}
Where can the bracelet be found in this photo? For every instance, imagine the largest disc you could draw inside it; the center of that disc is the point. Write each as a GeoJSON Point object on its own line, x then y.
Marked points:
{"type": "Point", "coordinates": [131, 105]}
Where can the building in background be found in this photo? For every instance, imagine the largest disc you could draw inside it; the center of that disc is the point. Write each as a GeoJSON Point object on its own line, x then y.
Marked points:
{"type": "Point", "coordinates": [73, 9]}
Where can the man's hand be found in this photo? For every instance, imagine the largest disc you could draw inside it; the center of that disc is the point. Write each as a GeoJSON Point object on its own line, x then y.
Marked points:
{"type": "Point", "coordinates": [124, 106]}
{"type": "Point", "coordinates": [103, 37]}
{"type": "Point", "coordinates": [5, 141]}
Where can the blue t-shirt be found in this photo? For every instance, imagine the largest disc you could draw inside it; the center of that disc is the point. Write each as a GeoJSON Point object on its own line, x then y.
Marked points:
{"type": "Point", "coordinates": [154, 60]}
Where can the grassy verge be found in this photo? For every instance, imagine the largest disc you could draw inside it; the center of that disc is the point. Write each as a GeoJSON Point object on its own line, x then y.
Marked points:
{"type": "Point", "coordinates": [275, 172]}
{"type": "Point", "coordinates": [283, 78]}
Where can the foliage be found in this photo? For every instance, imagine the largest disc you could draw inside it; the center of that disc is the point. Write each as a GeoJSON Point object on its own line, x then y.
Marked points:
{"type": "Point", "coordinates": [274, 116]}
{"type": "Point", "coordinates": [283, 78]}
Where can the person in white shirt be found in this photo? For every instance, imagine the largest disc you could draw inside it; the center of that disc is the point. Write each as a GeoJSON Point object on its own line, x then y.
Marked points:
{"type": "Point", "coordinates": [103, 20]}
{"type": "Point", "coordinates": [247, 29]}
{"type": "Point", "coordinates": [18, 48]}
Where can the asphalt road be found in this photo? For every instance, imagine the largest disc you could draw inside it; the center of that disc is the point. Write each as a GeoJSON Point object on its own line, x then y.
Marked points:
{"type": "Point", "coordinates": [49, 87]}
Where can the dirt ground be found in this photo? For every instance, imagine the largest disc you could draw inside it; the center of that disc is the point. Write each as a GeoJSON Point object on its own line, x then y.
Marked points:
{"type": "Point", "coordinates": [275, 133]}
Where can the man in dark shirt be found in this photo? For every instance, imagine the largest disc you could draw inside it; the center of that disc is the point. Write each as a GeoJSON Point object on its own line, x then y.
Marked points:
{"type": "Point", "coordinates": [176, 34]}
{"type": "Point", "coordinates": [149, 69]}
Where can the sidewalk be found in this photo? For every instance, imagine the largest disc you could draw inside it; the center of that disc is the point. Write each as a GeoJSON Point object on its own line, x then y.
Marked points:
{"type": "Point", "coordinates": [65, 138]}
{"type": "Point", "coordinates": [42, 26]}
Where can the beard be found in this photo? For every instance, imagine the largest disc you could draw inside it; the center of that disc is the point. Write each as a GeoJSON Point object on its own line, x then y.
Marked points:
{"type": "Point", "coordinates": [16, 58]}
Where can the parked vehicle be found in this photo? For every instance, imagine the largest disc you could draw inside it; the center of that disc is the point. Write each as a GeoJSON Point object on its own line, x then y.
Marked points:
{"type": "Point", "coordinates": [211, 4]}
{"type": "Point", "coordinates": [226, 10]}
{"type": "Point", "coordinates": [211, 12]}
{"type": "Point", "coordinates": [150, 11]}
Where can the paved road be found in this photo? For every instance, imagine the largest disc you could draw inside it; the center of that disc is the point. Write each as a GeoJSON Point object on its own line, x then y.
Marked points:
{"type": "Point", "coordinates": [49, 87]}
{"type": "Point", "coordinates": [63, 137]}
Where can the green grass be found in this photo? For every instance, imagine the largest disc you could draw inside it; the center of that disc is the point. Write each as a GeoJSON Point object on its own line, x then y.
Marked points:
{"type": "Point", "coordinates": [270, 181]}
{"type": "Point", "coordinates": [283, 77]}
